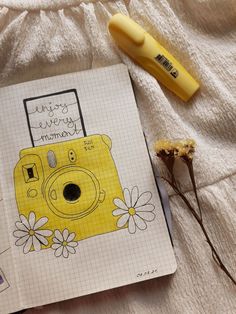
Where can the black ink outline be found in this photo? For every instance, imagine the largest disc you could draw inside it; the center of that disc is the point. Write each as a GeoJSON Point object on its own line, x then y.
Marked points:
{"type": "Point", "coordinates": [40, 185]}
{"type": "Point", "coordinates": [61, 243]}
{"type": "Point", "coordinates": [126, 225]}
{"type": "Point", "coordinates": [73, 90]}
{"type": "Point", "coordinates": [60, 136]}
{"type": "Point", "coordinates": [106, 140]}
{"type": "Point", "coordinates": [60, 120]}
{"type": "Point", "coordinates": [57, 212]}
{"type": "Point", "coordinates": [49, 111]}
{"type": "Point", "coordinates": [29, 236]}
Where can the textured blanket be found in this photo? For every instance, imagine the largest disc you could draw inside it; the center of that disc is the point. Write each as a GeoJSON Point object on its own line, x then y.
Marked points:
{"type": "Point", "coordinates": [40, 38]}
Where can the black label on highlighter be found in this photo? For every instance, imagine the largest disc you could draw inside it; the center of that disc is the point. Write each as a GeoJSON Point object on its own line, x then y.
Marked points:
{"type": "Point", "coordinates": [167, 65]}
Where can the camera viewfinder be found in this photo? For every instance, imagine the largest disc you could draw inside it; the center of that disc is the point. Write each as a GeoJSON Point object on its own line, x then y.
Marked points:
{"type": "Point", "coordinates": [30, 173]}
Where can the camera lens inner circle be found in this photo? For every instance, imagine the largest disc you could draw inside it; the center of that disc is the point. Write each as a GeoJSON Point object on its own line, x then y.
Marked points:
{"type": "Point", "coordinates": [71, 192]}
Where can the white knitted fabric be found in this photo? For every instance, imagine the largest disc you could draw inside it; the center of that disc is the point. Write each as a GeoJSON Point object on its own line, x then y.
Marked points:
{"type": "Point", "coordinates": [41, 38]}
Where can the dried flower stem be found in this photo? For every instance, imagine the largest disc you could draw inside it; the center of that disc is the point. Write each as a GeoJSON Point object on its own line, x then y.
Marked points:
{"type": "Point", "coordinates": [169, 162]}
{"type": "Point", "coordinates": [215, 255]}
{"type": "Point", "coordinates": [169, 151]}
{"type": "Point", "coordinates": [191, 174]}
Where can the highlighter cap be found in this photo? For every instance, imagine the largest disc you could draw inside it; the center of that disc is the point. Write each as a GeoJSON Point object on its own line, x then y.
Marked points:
{"type": "Point", "coordinates": [150, 55]}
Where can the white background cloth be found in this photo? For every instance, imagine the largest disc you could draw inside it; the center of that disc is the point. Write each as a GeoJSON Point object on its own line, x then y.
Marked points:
{"type": "Point", "coordinates": [43, 38]}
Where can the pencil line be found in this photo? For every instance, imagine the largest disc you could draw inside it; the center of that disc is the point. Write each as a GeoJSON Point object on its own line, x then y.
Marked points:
{"type": "Point", "coordinates": [5, 250]}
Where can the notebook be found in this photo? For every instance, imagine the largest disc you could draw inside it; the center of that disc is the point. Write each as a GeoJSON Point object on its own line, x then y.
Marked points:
{"type": "Point", "coordinates": [80, 209]}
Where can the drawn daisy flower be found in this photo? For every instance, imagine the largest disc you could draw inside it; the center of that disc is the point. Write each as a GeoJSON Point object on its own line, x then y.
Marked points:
{"type": "Point", "coordinates": [29, 233]}
{"type": "Point", "coordinates": [136, 210]}
{"type": "Point", "coordinates": [63, 243]}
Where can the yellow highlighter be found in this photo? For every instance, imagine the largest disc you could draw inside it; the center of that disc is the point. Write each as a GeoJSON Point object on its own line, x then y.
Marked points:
{"type": "Point", "coordinates": [150, 55]}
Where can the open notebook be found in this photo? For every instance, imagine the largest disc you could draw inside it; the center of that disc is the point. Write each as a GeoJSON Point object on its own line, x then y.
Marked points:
{"type": "Point", "coordinates": [80, 210]}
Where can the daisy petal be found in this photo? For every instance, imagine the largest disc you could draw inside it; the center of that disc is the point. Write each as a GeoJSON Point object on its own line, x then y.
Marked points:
{"type": "Point", "coordinates": [55, 240]}
{"type": "Point", "coordinates": [58, 235]}
{"type": "Point", "coordinates": [58, 251]}
{"type": "Point", "coordinates": [143, 199]}
{"type": "Point", "coordinates": [65, 252]}
{"type": "Point", "coordinates": [119, 211]}
{"type": "Point", "coordinates": [21, 226]}
{"type": "Point", "coordinates": [140, 223]}
{"type": "Point", "coordinates": [65, 234]}
{"type": "Point", "coordinates": [31, 220]}
{"type": "Point", "coordinates": [24, 221]}
{"type": "Point", "coordinates": [36, 244]}
{"type": "Point", "coordinates": [20, 233]}
{"type": "Point", "coordinates": [131, 225]}
{"type": "Point", "coordinates": [45, 233]}
{"type": "Point", "coordinates": [148, 216]}
{"type": "Point", "coordinates": [22, 240]}
{"type": "Point", "coordinates": [71, 237]}
{"type": "Point", "coordinates": [72, 244]}
{"type": "Point", "coordinates": [145, 208]}
{"type": "Point", "coordinates": [122, 220]}
{"type": "Point", "coordinates": [71, 249]}
{"type": "Point", "coordinates": [28, 245]}
{"type": "Point", "coordinates": [55, 246]}
{"type": "Point", "coordinates": [43, 240]}
{"type": "Point", "coordinates": [120, 204]}
{"type": "Point", "coordinates": [42, 221]}
{"type": "Point", "coordinates": [127, 197]}
{"type": "Point", "coordinates": [134, 196]}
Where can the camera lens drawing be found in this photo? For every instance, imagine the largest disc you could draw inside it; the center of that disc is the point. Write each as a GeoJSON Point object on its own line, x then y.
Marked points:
{"type": "Point", "coordinates": [71, 192]}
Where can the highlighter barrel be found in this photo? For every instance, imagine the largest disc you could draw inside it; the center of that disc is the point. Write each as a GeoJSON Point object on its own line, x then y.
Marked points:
{"type": "Point", "coordinates": [150, 55]}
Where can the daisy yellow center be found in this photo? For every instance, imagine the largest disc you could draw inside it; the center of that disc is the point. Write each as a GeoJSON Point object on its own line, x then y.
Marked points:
{"type": "Point", "coordinates": [132, 211]}
{"type": "Point", "coordinates": [64, 243]}
{"type": "Point", "coordinates": [31, 232]}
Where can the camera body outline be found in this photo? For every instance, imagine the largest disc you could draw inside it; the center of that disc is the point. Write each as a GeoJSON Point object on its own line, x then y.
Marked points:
{"type": "Point", "coordinates": [72, 183]}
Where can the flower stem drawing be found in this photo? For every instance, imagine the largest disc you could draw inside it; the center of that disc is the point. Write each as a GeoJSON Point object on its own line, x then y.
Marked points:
{"type": "Point", "coordinates": [168, 151]}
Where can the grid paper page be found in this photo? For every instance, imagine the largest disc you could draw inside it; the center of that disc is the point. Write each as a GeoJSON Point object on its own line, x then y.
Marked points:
{"type": "Point", "coordinates": [83, 214]}
{"type": "Point", "coordinates": [9, 300]}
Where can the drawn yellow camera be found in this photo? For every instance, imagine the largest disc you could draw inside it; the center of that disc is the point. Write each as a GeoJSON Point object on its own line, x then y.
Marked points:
{"type": "Point", "coordinates": [72, 183]}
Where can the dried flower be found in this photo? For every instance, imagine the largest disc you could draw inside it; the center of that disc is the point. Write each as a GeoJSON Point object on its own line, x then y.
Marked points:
{"type": "Point", "coordinates": [183, 149]}
{"type": "Point", "coordinates": [164, 148]}
{"type": "Point", "coordinates": [166, 151]}
{"type": "Point", "coordinates": [169, 151]}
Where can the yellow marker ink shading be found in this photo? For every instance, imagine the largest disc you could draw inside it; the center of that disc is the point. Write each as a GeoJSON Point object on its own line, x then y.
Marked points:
{"type": "Point", "coordinates": [150, 55]}
{"type": "Point", "coordinates": [71, 184]}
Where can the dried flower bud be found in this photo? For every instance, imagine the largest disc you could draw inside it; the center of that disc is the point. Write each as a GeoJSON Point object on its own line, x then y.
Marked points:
{"type": "Point", "coordinates": [183, 149]}
{"type": "Point", "coordinates": [164, 148]}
